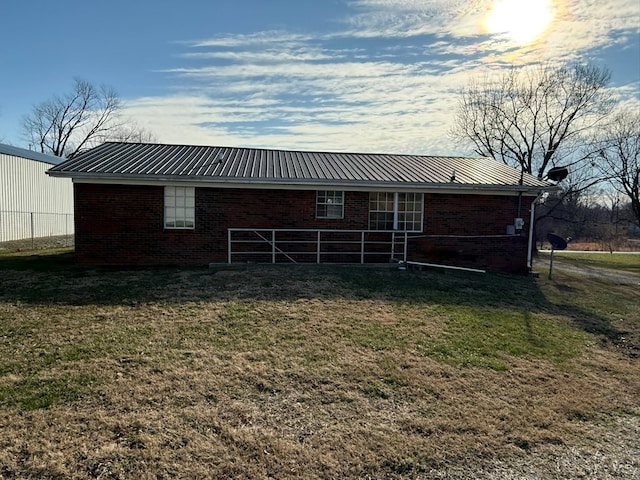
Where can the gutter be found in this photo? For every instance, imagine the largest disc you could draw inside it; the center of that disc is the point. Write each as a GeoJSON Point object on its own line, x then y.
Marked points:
{"type": "Point", "coordinates": [530, 243]}
{"type": "Point", "coordinates": [310, 184]}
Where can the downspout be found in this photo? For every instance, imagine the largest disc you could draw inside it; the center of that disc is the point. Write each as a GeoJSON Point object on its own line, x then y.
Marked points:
{"type": "Point", "coordinates": [530, 243]}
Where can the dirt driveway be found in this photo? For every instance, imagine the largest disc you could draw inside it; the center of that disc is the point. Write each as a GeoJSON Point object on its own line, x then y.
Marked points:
{"type": "Point", "coordinates": [615, 276]}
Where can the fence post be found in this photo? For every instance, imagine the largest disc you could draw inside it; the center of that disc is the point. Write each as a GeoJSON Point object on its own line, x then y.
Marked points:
{"type": "Point", "coordinates": [406, 246]}
{"type": "Point", "coordinates": [33, 245]}
{"type": "Point", "coordinates": [273, 246]}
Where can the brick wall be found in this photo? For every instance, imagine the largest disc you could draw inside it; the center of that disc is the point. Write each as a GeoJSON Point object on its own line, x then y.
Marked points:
{"type": "Point", "coordinates": [124, 225]}
{"type": "Point", "coordinates": [469, 231]}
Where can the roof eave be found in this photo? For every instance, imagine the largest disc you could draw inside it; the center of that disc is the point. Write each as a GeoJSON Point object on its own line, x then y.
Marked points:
{"type": "Point", "coordinates": [30, 154]}
{"type": "Point", "coordinates": [229, 182]}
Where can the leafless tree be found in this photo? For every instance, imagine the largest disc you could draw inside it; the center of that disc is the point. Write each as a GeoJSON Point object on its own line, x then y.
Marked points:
{"type": "Point", "coordinates": [535, 119]}
{"type": "Point", "coordinates": [88, 115]}
{"type": "Point", "coordinates": [618, 156]}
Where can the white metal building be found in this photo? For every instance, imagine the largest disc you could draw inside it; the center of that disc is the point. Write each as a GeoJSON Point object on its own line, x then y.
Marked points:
{"type": "Point", "coordinates": [32, 204]}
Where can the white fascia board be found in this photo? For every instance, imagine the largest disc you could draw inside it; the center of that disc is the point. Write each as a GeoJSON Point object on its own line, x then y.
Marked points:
{"type": "Point", "coordinates": [445, 188]}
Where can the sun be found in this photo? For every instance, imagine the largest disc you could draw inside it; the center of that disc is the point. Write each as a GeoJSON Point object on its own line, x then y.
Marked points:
{"type": "Point", "coordinates": [521, 21]}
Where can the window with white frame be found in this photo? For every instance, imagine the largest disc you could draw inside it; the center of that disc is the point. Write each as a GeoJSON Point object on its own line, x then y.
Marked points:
{"type": "Point", "coordinates": [410, 211]}
{"type": "Point", "coordinates": [330, 204]}
{"type": "Point", "coordinates": [396, 211]}
{"type": "Point", "coordinates": [179, 207]}
{"type": "Point", "coordinates": [381, 210]}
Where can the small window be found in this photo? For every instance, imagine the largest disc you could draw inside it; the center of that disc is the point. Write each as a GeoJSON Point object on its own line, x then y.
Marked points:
{"type": "Point", "coordinates": [330, 204]}
{"type": "Point", "coordinates": [179, 207]}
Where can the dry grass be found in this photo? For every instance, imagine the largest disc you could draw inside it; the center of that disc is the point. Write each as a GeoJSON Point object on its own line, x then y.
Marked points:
{"type": "Point", "coordinates": [611, 245]}
{"type": "Point", "coordinates": [40, 243]}
{"type": "Point", "coordinates": [313, 372]}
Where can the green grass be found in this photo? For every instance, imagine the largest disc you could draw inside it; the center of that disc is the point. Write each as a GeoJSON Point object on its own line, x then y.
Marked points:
{"type": "Point", "coordinates": [613, 261]}
{"type": "Point", "coordinates": [484, 320]}
{"type": "Point", "coordinates": [485, 337]}
{"type": "Point", "coordinates": [38, 260]}
{"type": "Point", "coordinates": [599, 306]}
{"type": "Point", "coordinates": [34, 393]}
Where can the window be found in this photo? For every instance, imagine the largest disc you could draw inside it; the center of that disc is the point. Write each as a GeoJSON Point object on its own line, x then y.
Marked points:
{"type": "Point", "coordinates": [330, 204]}
{"type": "Point", "coordinates": [395, 211]}
{"type": "Point", "coordinates": [179, 207]}
{"type": "Point", "coordinates": [381, 208]}
{"type": "Point", "coordinates": [410, 211]}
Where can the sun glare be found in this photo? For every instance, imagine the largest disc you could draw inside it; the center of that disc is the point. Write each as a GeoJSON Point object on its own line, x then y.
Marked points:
{"type": "Point", "coordinates": [519, 21]}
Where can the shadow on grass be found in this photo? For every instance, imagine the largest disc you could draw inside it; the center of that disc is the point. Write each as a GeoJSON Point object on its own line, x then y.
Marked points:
{"type": "Point", "coordinates": [54, 278]}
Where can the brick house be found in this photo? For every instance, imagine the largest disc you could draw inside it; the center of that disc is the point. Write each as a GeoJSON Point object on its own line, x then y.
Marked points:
{"type": "Point", "coordinates": [153, 204]}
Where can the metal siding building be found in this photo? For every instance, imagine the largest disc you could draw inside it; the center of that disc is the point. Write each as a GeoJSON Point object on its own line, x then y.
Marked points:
{"type": "Point", "coordinates": [32, 204]}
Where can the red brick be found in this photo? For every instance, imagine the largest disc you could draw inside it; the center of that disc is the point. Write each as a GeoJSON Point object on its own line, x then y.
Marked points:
{"type": "Point", "coordinates": [124, 225]}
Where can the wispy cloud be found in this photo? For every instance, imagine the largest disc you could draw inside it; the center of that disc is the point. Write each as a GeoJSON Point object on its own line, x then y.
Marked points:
{"type": "Point", "coordinates": [577, 25]}
{"type": "Point", "coordinates": [385, 81]}
{"type": "Point", "coordinates": [260, 39]}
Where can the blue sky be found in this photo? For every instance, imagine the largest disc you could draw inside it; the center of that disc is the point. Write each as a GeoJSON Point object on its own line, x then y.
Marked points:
{"type": "Point", "coordinates": [338, 75]}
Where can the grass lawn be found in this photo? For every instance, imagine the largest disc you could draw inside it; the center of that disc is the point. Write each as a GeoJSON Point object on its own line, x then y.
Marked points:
{"type": "Point", "coordinates": [624, 262]}
{"type": "Point", "coordinates": [314, 372]}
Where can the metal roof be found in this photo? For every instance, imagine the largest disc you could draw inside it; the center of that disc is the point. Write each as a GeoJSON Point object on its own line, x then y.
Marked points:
{"type": "Point", "coordinates": [247, 166]}
{"type": "Point", "coordinates": [30, 154]}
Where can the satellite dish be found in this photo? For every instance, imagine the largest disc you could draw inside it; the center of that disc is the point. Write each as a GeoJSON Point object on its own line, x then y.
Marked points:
{"type": "Point", "coordinates": [556, 241]}
{"type": "Point", "coordinates": [557, 174]}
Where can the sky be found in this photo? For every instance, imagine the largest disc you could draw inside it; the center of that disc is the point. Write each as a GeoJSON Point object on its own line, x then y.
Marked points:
{"type": "Point", "coordinates": [378, 76]}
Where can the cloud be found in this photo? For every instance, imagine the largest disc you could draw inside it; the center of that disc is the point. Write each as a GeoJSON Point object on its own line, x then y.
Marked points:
{"type": "Point", "coordinates": [577, 25]}
{"type": "Point", "coordinates": [384, 82]}
{"type": "Point", "coordinates": [399, 18]}
{"type": "Point", "coordinates": [268, 56]}
{"type": "Point", "coordinates": [284, 39]}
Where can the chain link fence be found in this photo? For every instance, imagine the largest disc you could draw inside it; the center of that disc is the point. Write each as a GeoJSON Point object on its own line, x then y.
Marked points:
{"type": "Point", "coordinates": [34, 230]}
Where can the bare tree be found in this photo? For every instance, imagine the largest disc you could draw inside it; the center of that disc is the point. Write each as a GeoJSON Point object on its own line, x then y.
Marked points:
{"type": "Point", "coordinates": [534, 119]}
{"type": "Point", "coordinates": [85, 117]}
{"type": "Point", "coordinates": [618, 156]}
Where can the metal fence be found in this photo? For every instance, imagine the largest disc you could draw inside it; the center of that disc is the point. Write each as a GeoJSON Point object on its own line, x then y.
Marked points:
{"type": "Point", "coordinates": [31, 226]}
{"type": "Point", "coordinates": [315, 245]}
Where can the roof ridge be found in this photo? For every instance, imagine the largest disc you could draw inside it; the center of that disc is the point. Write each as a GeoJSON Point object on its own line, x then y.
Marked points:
{"type": "Point", "coordinates": [286, 150]}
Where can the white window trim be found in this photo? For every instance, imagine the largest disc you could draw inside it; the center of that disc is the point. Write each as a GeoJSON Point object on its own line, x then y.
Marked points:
{"type": "Point", "coordinates": [396, 222]}
{"type": "Point", "coordinates": [341, 204]}
{"type": "Point", "coordinates": [184, 217]}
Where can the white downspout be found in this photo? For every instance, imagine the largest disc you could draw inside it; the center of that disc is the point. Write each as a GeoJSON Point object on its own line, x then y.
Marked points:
{"type": "Point", "coordinates": [395, 211]}
{"type": "Point", "coordinates": [530, 244]}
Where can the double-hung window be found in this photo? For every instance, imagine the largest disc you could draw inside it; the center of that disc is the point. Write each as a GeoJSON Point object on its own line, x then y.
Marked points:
{"type": "Point", "coordinates": [330, 204]}
{"type": "Point", "coordinates": [381, 210]}
{"type": "Point", "coordinates": [396, 211]}
{"type": "Point", "coordinates": [179, 207]}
